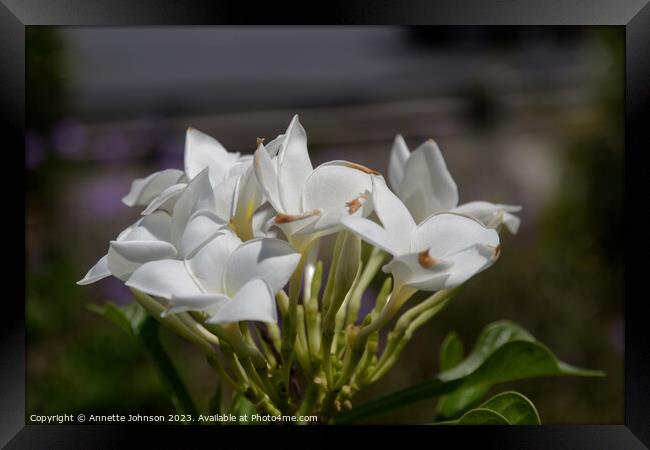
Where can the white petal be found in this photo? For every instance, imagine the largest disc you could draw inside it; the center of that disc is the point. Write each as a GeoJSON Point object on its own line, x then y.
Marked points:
{"type": "Point", "coordinates": [511, 222]}
{"type": "Point", "coordinates": [143, 190]}
{"type": "Point", "coordinates": [262, 216]}
{"type": "Point", "coordinates": [339, 189]}
{"type": "Point", "coordinates": [267, 177]}
{"type": "Point", "coordinates": [166, 200]}
{"type": "Point", "coordinates": [451, 244]}
{"type": "Point", "coordinates": [294, 166]}
{"type": "Point", "coordinates": [269, 259]}
{"type": "Point", "coordinates": [208, 265]}
{"type": "Point", "coordinates": [97, 272]}
{"type": "Point", "coordinates": [242, 165]}
{"type": "Point", "coordinates": [486, 212]}
{"type": "Point", "coordinates": [394, 216]}
{"type": "Point", "coordinates": [273, 147]}
{"type": "Point", "coordinates": [165, 278]}
{"type": "Point", "coordinates": [254, 301]}
{"type": "Point", "coordinates": [398, 157]}
{"type": "Point", "coordinates": [427, 186]}
{"type": "Point", "coordinates": [198, 195]}
{"type": "Point", "coordinates": [154, 227]}
{"type": "Point", "coordinates": [249, 195]}
{"type": "Point", "coordinates": [209, 303]}
{"type": "Point", "coordinates": [203, 151]}
{"type": "Point", "coordinates": [202, 226]}
{"type": "Point", "coordinates": [407, 270]}
{"type": "Point", "coordinates": [446, 234]}
{"type": "Point", "coordinates": [125, 256]}
{"type": "Point", "coordinates": [372, 233]}
{"type": "Point", "coordinates": [225, 194]}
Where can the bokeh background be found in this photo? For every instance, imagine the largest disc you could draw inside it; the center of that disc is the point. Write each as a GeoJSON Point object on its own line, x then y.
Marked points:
{"type": "Point", "coordinates": [524, 115]}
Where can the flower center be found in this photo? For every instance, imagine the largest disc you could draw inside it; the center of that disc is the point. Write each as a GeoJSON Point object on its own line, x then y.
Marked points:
{"type": "Point", "coordinates": [426, 260]}
{"type": "Point", "coordinates": [354, 204]}
{"type": "Point", "coordinates": [287, 218]}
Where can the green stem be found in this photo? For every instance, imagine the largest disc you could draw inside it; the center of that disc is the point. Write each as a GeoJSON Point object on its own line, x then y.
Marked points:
{"type": "Point", "coordinates": [397, 298]}
{"type": "Point", "coordinates": [401, 338]}
{"type": "Point", "coordinates": [372, 266]}
{"type": "Point", "coordinates": [290, 323]}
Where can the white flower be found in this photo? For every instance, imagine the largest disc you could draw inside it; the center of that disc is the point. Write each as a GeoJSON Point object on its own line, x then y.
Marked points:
{"type": "Point", "coordinates": [160, 236]}
{"type": "Point", "coordinates": [236, 190]}
{"type": "Point", "coordinates": [201, 151]}
{"type": "Point", "coordinates": [229, 280]}
{"type": "Point", "coordinates": [310, 202]}
{"type": "Point", "coordinates": [423, 183]}
{"type": "Point", "coordinates": [443, 251]}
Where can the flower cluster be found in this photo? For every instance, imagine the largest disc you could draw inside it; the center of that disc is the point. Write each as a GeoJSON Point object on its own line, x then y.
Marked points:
{"type": "Point", "coordinates": [218, 242]}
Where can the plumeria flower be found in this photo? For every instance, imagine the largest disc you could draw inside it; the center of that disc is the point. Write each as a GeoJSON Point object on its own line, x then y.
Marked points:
{"type": "Point", "coordinates": [442, 252]}
{"type": "Point", "coordinates": [310, 202]}
{"type": "Point", "coordinates": [201, 151]}
{"type": "Point", "coordinates": [424, 184]}
{"type": "Point", "coordinates": [160, 235]}
{"type": "Point", "coordinates": [237, 192]}
{"type": "Point", "coordinates": [228, 280]}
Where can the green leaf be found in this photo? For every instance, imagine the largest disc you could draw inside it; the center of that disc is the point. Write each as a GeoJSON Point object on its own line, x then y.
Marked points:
{"type": "Point", "coordinates": [480, 416]}
{"type": "Point", "coordinates": [129, 317]}
{"type": "Point", "coordinates": [241, 406]}
{"type": "Point", "coordinates": [506, 408]}
{"type": "Point", "coordinates": [503, 352]}
{"type": "Point", "coordinates": [451, 351]}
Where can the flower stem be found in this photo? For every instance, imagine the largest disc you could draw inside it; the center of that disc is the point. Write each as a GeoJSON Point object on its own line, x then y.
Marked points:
{"type": "Point", "coordinates": [397, 298]}
{"type": "Point", "coordinates": [410, 321]}
{"type": "Point", "coordinates": [375, 261]}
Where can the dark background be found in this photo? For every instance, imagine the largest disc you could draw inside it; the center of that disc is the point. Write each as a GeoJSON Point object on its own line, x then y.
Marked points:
{"type": "Point", "coordinates": [530, 116]}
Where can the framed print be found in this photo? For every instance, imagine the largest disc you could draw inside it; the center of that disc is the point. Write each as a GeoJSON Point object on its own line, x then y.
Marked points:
{"type": "Point", "coordinates": [368, 218]}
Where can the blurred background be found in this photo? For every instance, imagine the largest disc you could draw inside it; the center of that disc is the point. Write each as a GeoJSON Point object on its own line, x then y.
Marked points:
{"type": "Point", "coordinates": [524, 115]}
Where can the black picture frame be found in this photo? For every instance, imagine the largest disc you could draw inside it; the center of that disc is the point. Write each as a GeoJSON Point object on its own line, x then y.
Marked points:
{"type": "Point", "coordinates": [633, 15]}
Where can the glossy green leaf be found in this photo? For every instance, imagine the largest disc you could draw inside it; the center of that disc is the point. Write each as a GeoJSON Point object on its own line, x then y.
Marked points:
{"type": "Point", "coordinates": [503, 352]}
{"type": "Point", "coordinates": [451, 351]}
{"type": "Point", "coordinates": [129, 317]}
{"type": "Point", "coordinates": [506, 408]}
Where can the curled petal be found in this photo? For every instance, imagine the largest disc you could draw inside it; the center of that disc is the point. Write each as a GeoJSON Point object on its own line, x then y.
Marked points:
{"type": "Point", "coordinates": [202, 226]}
{"type": "Point", "coordinates": [372, 233]}
{"type": "Point", "coordinates": [165, 278]}
{"type": "Point", "coordinates": [339, 190]}
{"type": "Point", "coordinates": [209, 303]}
{"type": "Point", "coordinates": [143, 190]}
{"type": "Point", "coordinates": [492, 214]}
{"type": "Point", "coordinates": [427, 186]}
{"type": "Point", "coordinates": [398, 157]}
{"type": "Point", "coordinates": [203, 151]}
{"type": "Point", "coordinates": [124, 257]}
{"type": "Point", "coordinates": [294, 166]}
{"type": "Point", "coordinates": [154, 227]}
{"type": "Point", "coordinates": [393, 215]}
{"type": "Point", "coordinates": [254, 301]}
{"type": "Point", "coordinates": [267, 176]}
{"type": "Point", "coordinates": [198, 195]}
{"type": "Point", "coordinates": [269, 259]}
{"type": "Point", "coordinates": [208, 265]}
{"type": "Point", "coordinates": [446, 233]}
{"type": "Point", "coordinates": [166, 200]}
{"type": "Point", "coordinates": [407, 270]}
{"type": "Point", "coordinates": [97, 272]}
